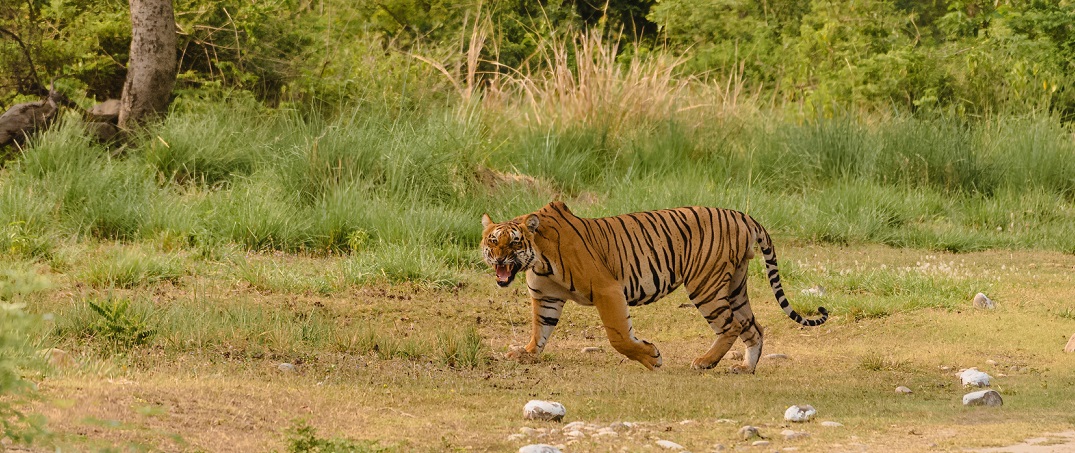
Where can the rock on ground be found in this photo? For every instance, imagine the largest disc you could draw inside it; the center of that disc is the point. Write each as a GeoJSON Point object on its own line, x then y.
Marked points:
{"type": "Point", "coordinates": [776, 357]}
{"type": "Point", "coordinates": [591, 349]}
{"type": "Point", "coordinates": [748, 432]}
{"type": "Point", "coordinates": [669, 445]}
{"type": "Point", "coordinates": [831, 424]}
{"type": "Point", "coordinates": [981, 301]}
{"type": "Point", "coordinates": [538, 448]}
{"type": "Point", "coordinates": [1071, 344]}
{"type": "Point", "coordinates": [800, 413]}
{"type": "Point", "coordinates": [544, 410]}
{"type": "Point", "coordinates": [286, 367]}
{"type": "Point", "coordinates": [760, 443]}
{"type": "Point", "coordinates": [903, 390]}
{"type": "Point", "coordinates": [975, 378]}
{"type": "Point", "coordinates": [790, 434]}
{"type": "Point", "coordinates": [983, 398]}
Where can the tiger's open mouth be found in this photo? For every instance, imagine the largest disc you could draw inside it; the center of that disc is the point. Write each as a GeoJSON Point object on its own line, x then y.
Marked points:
{"type": "Point", "coordinates": [505, 273]}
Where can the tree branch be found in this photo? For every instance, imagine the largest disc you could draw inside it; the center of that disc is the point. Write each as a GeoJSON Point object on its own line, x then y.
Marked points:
{"type": "Point", "coordinates": [37, 87]}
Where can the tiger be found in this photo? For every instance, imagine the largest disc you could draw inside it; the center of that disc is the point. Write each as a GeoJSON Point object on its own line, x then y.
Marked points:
{"type": "Point", "coordinates": [614, 263]}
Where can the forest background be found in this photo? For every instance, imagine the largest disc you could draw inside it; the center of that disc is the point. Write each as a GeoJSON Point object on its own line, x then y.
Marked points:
{"type": "Point", "coordinates": [322, 150]}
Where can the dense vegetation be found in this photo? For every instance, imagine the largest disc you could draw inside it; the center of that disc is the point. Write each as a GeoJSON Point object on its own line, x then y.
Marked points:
{"type": "Point", "coordinates": [378, 128]}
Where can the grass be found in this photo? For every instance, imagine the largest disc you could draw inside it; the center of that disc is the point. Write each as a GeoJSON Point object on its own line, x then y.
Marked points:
{"type": "Point", "coordinates": [418, 367]}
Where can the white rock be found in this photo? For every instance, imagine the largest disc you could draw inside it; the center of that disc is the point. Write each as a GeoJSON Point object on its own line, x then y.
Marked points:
{"type": "Point", "coordinates": [981, 301]}
{"type": "Point", "coordinates": [975, 378]}
{"type": "Point", "coordinates": [607, 432]}
{"type": "Point", "coordinates": [544, 410]}
{"type": "Point", "coordinates": [573, 433]}
{"type": "Point", "coordinates": [1071, 344]}
{"type": "Point", "coordinates": [831, 424]}
{"type": "Point", "coordinates": [719, 447]}
{"type": "Point", "coordinates": [775, 356]}
{"type": "Point", "coordinates": [517, 437]}
{"type": "Point", "coordinates": [686, 422]}
{"type": "Point", "coordinates": [621, 426]}
{"type": "Point", "coordinates": [991, 362]}
{"type": "Point", "coordinates": [726, 420]}
{"type": "Point", "coordinates": [800, 413]}
{"type": "Point", "coordinates": [790, 434]}
{"type": "Point", "coordinates": [575, 425]}
{"type": "Point", "coordinates": [748, 432]}
{"type": "Point", "coordinates": [760, 443]}
{"type": "Point", "coordinates": [539, 448]}
{"type": "Point", "coordinates": [983, 398]}
{"type": "Point", "coordinates": [945, 368]}
{"type": "Point", "coordinates": [286, 367]}
{"type": "Point", "coordinates": [903, 390]}
{"type": "Point", "coordinates": [591, 349]}
{"type": "Point", "coordinates": [669, 445]}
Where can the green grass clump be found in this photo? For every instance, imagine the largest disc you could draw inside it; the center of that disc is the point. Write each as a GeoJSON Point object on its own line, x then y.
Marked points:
{"type": "Point", "coordinates": [461, 349]}
{"type": "Point", "coordinates": [303, 438]}
{"type": "Point", "coordinates": [127, 267]}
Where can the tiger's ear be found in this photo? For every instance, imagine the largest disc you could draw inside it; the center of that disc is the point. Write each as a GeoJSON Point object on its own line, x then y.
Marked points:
{"type": "Point", "coordinates": [531, 223]}
{"type": "Point", "coordinates": [486, 221]}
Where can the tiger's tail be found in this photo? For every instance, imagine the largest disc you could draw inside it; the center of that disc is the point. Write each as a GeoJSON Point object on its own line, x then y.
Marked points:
{"type": "Point", "coordinates": [766, 245]}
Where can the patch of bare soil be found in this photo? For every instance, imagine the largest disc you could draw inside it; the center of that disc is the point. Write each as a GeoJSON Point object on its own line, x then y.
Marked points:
{"type": "Point", "coordinates": [1049, 443]}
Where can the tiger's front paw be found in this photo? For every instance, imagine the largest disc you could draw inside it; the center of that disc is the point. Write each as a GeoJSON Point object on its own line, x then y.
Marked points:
{"type": "Point", "coordinates": [521, 355]}
{"type": "Point", "coordinates": [653, 360]}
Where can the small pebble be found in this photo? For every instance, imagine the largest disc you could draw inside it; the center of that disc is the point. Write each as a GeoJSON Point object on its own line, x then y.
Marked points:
{"type": "Point", "coordinates": [831, 424]}
{"type": "Point", "coordinates": [726, 420]}
{"type": "Point", "coordinates": [991, 362]}
{"type": "Point", "coordinates": [528, 431]}
{"type": "Point", "coordinates": [776, 356]}
{"type": "Point", "coordinates": [539, 448]}
{"type": "Point", "coordinates": [945, 368]}
{"type": "Point", "coordinates": [903, 390]}
{"type": "Point", "coordinates": [748, 432]}
{"type": "Point", "coordinates": [790, 434]}
{"type": "Point", "coordinates": [591, 349]}
{"type": "Point", "coordinates": [575, 425]}
{"type": "Point", "coordinates": [286, 367]}
{"type": "Point", "coordinates": [516, 437]}
{"type": "Point", "coordinates": [686, 422]}
{"type": "Point", "coordinates": [760, 443]}
{"type": "Point", "coordinates": [669, 445]}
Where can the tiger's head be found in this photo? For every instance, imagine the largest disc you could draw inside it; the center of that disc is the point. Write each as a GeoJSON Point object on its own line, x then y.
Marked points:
{"type": "Point", "coordinates": [508, 247]}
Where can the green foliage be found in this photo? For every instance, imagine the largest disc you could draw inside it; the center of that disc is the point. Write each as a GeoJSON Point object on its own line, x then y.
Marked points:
{"type": "Point", "coordinates": [120, 327]}
{"type": "Point", "coordinates": [129, 267]}
{"type": "Point", "coordinates": [19, 281]}
{"type": "Point", "coordinates": [303, 438]}
{"type": "Point", "coordinates": [462, 349]}
{"type": "Point", "coordinates": [17, 358]}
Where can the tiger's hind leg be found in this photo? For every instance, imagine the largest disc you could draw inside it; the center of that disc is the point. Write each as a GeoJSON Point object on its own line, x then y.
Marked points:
{"type": "Point", "coordinates": [750, 332]}
{"type": "Point", "coordinates": [713, 303]}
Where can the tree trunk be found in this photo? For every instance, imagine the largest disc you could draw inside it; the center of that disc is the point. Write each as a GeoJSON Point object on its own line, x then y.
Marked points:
{"type": "Point", "coordinates": [152, 66]}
